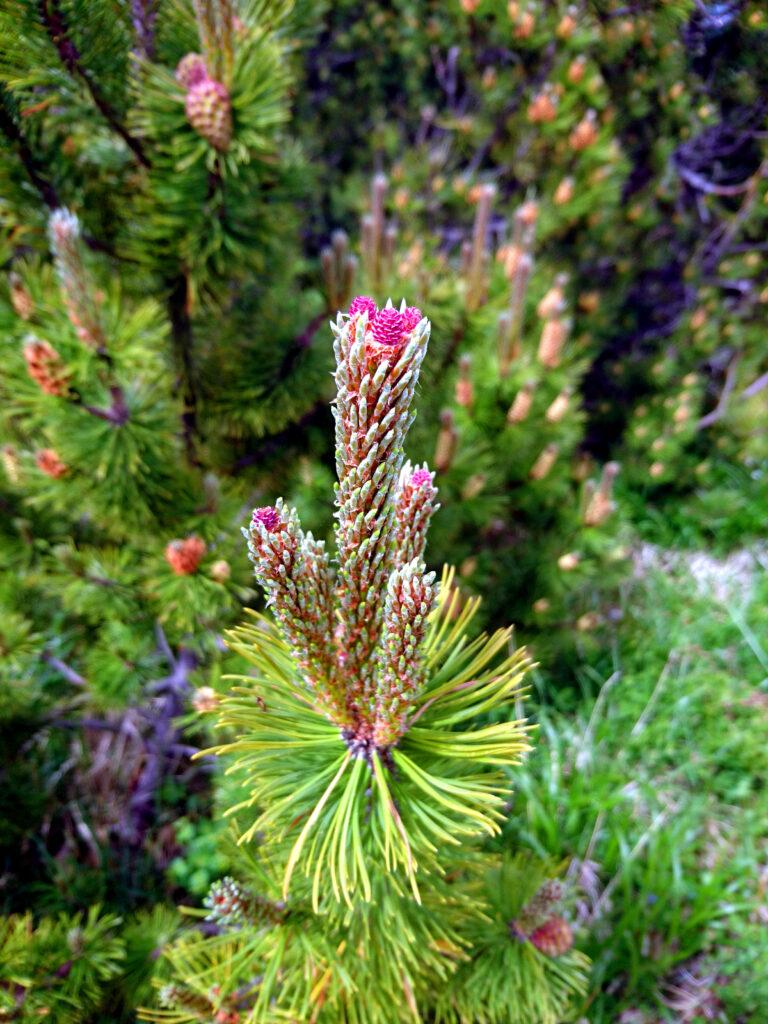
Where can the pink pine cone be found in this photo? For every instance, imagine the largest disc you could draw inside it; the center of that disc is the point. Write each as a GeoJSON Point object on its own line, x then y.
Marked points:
{"type": "Point", "coordinates": [45, 367]}
{"type": "Point", "coordinates": [184, 556]}
{"type": "Point", "coordinates": [388, 327]}
{"type": "Point", "coordinates": [190, 70]}
{"type": "Point", "coordinates": [363, 304]}
{"type": "Point", "coordinates": [411, 318]}
{"type": "Point", "coordinates": [209, 111]}
{"type": "Point", "coordinates": [267, 516]}
{"type": "Point", "coordinates": [420, 477]}
{"type": "Point", "coordinates": [554, 937]}
{"type": "Point", "coordinates": [49, 463]}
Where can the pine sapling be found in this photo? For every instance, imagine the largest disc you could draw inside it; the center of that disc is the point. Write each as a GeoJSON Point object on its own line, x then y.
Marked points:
{"type": "Point", "coordinates": [367, 668]}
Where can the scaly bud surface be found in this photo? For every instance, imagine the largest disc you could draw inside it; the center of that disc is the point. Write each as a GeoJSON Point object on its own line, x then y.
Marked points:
{"type": "Point", "coordinates": [411, 595]}
{"type": "Point", "coordinates": [77, 288]}
{"type": "Point", "coordinates": [48, 462]}
{"type": "Point", "coordinates": [414, 507]}
{"type": "Point", "coordinates": [209, 111]}
{"type": "Point", "coordinates": [356, 633]}
{"type": "Point", "coordinates": [45, 367]}
{"type": "Point", "coordinates": [184, 556]}
{"type": "Point", "coordinates": [293, 569]}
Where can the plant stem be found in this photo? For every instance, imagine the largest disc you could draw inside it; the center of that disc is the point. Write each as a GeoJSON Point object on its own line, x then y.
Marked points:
{"type": "Point", "coordinates": [183, 341]}
{"type": "Point", "coordinates": [55, 24]}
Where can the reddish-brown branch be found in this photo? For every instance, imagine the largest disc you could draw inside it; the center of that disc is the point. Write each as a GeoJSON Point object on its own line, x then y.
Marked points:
{"type": "Point", "coordinates": [55, 24]}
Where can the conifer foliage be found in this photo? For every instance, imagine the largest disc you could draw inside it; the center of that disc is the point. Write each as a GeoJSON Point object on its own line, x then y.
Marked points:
{"type": "Point", "coordinates": [370, 762]}
{"type": "Point", "coordinates": [145, 161]}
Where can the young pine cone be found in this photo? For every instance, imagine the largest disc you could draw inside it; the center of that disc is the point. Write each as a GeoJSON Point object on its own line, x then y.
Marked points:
{"type": "Point", "coordinates": [554, 937]}
{"type": "Point", "coordinates": [48, 462]}
{"type": "Point", "coordinates": [209, 111]}
{"type": "Point", "coordinates": [184, 556]}
{"type": "Point", "coordinates": [45, 367]}
{"type": "Point", "coordinates": [190, 70]}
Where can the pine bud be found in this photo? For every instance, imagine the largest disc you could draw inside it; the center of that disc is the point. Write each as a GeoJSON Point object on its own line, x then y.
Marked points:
{"type": "Point", "coordinates": [474, 486]}
{"type": "Point", "coordinates": [293, 569]}
{"type": "Point", "coordinates": [554, 937]}
{"type": "Point", "coordinates": [528, 213]}
{"type": "Point", "coordinates": [553, 303]}
{"type": "Point", "coordinates": [377, 369]}
{"type": "Point", "coordinates": [190, 70]}
{"type": "Point", "coordinates": [489, 78]}
{"type": "Point", "coordinates": [601, 505]}
{"type": "Point", "coordinates": [507, 344]}
{"type": "Point", "coordinates": [582, 466]}
{"type": "Point", "coordinates": [585, 133]}
{"type": "Point", "coordinates": [48, 462]}
{"type": "Point", "coordinates": [543, 107]}
{"type": "Point", "coordinates": [681, 414]}
{"type": "Point", "coordinates": [184, 556]}
{"type": "Point", "coordinates": [564, 192]}
{"type": "Point", "coordinates": [77, 290]}
{"type": "Point", "coordinates": [376, 244]}
{"type": "Point", "coordinates": [512, 255]}
{"type": "Point", "coordinates": [11, 463]}
{"type": "Point", "coordinates": [45, 367]}
{"type": "Point", "coordinates": [411, 595]}
{"type": "Point", "coordinates": [464, 389]}
{"type": "Point", "coordinates": [538, 909]}
{"type": "Point", "coordinates": [544, 462]}
{"type": "Point", "coordinates": [567, 24]}
{"type": "Point", "coordinates": [589, 302]}
{"type": "Point", "coordinates": [518, 268]}
{"type": "Point", "coordinates": [476, 257]}
{"type": "Point", "coordinates": [521, 406]}
{"type": "Point", "coordinates": [559, 407]}
{"type": "Point", "coordinates": [231, 904]}
{"type": "Point", "coordinates": [447, 440]}
{"type": "Point", "coordinates": [205, 700]}
{"type": "Point", "coordinates": [338, 270]}
{"type": "Point", "coordinates": [21, 300]}
{"type": "Point", "coordinates": [588, 622]}
{"type": "Point", "coordinates": [414, 507]}
{"type": "Point", "coordinates": [526, 23]}
{"type": "Point", "coordinates": [221, 570]}
{"type": "Point", "coordinates": [576, 70]}
{"type": "Point", "coordinates": [209, 111]}
{"type": "Point", "coordinates": [468, 567]}
{"type": "Point", "coordinates": [553, 337]}
{"type": "Point", "coordinates": [569, 561]}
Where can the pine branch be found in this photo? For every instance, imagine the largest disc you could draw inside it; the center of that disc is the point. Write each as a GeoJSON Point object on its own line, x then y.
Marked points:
{"type": "Point", "coordinates": [64, 670]}
{"type": "Point", "coordinates": [118, 413]}
{"type": "Point", "coordinates": [719, 411]}
{"type": "Point", "coordinates": [55, 24]}
{"type": "Point", "coordinates": [182, 339]}
{"type": "Point", "coordinates": [13, 133]}
{"type": "Point", "coordinates": [46, 190]}
{"type": "Point", "coordinates": [756, 386]}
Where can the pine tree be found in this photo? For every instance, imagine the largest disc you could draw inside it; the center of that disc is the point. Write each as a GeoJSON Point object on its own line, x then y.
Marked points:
{"type": "Point", "coordinates": [78, 967]}
{"type": "Point", "coordinates": [153, 349]}
{"type": "Point", "coordinates": [368, 766]}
